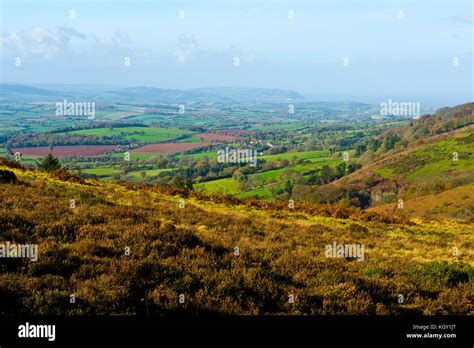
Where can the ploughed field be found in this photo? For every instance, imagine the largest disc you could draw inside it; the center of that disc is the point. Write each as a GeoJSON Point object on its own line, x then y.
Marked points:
{"type": "Point", "coordinates": [155, 140]}
{"type": "Point", "coordinates": [168, 148]}
{"type": "Point", "coordinates": [215, 137]}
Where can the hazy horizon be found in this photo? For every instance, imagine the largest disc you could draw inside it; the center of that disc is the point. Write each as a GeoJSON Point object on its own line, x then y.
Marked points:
{"type": "Point", "coordinates": [363, 51]}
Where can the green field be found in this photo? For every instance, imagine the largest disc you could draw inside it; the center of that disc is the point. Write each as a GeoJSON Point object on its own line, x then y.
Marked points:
{"type": "Point", "coordinates": [191, 140]}
{"type": "Point", "coordinates": [117, 115]}
{"type": "Point", "coordinates": [137, 175]}
{"type": "Point", "coordinates": [106, 173]}
{"type": "Point", "coordinates": [138, 156]}
{"type": "Point", "coordinates": [102, 172]}
{"type": "Point", "coordinates": [10, 129]}
{"type": "Point", "coordinates": [189, 119]}
{"type": "Point", "coordinates": [260, 192]}
{"type": "Point", "coordinates": [280, 126]}
{"type": "Point", "coordinates": [141, 134]}
{"type": "Point", "coordinates": [307, 155]}
{"type": "Point", "coordinates": [199, 155]}
{"type": "Point", "coordinates": [225, 186]}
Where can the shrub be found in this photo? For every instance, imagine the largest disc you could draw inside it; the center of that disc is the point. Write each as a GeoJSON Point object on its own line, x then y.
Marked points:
{"type": "Point", "coordinates": [7, 177]}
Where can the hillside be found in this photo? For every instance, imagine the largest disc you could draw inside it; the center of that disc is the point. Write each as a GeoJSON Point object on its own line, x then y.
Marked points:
{"type": "Point", "coordinates": [456, 203]}
{"type": "Point", "coordinates": [430, 156]}
{"type": "Point", "coordinates": [190, 250]}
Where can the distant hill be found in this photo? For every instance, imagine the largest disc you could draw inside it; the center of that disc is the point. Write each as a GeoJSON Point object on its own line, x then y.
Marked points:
{"type": "Point", "coordinates": [161, 95]}
{"type": "Point", "coordinates": [252, 94]}
{"type": "Point", "coordinates": [78, 87]}
{"type": "Point", "coordinates": [144, 95]}
{"type": "Point", "coordinates": [11, 92]}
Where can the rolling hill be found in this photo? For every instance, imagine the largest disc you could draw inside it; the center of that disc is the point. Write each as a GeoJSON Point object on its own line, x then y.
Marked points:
{"type": "Point", "coordinates": [145, 95]}
{"type": "Point", "coordinates": [248, 94]}
{"type": "Point", "coordinates": [13, 92]}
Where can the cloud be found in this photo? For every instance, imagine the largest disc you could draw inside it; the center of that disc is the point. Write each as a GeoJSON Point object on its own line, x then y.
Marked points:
{"type": "Point", "coordinates": [71, 32]}
{"type": "Point", "coordinates": [465, 19]}
{"type": "Point", "coordinates": [61, 41]}
{"type": "Point", "coordinates": [187, 47]}
{"type": "Point", "coordinates": [70, 46]}
{"type": "Point", "coordinates": [40, 42]}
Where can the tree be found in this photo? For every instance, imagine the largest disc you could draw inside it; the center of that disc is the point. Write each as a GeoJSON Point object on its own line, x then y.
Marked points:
{"type": "Point", "coordinates": [391, 140]}
{"type": "Point", "coordinates": [341, 170]}
{"type": "Point", "coordinates": [288, 187]}
{"type": "Point", "coordinates": [353, 167]}
{"type": "Point", "coordinates": [189, 184]}
{"type": "Point", "coordinates": [374, 144]}
{"type": "Point", "coordinates": [178, 182]}
{"type": "Point", "coordinates": [360, 149]}
{"type": "Point", "coordinates": [326, 175]}
{"type": "Point", "coordinates": [124, 169]}
{"type": "Point", "coordinates": [361, 199]}
{"type": "Point", "coordinates": [312, 180]}
{"type": "Point", "coordinates": [49, 163]}
{"type": "Point", "coordinates": [241, 178]}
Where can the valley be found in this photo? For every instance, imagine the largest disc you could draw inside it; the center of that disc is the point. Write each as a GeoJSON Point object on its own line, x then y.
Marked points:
{"type": "Point", "coordinates": [322, 152]}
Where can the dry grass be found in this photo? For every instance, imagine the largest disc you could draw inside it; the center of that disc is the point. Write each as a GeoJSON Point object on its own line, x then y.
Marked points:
{"type": "Point", "coordinates": [190, 251]}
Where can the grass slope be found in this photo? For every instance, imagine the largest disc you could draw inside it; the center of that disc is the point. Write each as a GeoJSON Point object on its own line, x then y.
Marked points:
{"type": "Point", "coordinates": [191, 251]}
{"type": "Point", "coordinates": [457, 203]}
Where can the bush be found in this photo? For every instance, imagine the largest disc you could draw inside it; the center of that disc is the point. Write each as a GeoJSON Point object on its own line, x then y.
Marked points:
{"type": "Point", "coordinates": [7, 177]}
{"type": "Point", "coordinates": [64, 175]}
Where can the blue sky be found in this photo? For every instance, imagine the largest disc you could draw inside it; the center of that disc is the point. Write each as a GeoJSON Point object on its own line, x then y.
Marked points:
{"type": "Point", "coordinates": [408, 58]}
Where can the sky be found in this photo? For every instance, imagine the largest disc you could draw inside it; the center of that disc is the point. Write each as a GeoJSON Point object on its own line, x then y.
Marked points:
{"type": "Point", "coordinates": [418, 50]}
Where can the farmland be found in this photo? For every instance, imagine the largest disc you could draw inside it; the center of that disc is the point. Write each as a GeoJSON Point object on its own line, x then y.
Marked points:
{"type": "Point", "coordinates": [304, 155]}
{"type": "Point", "coordinates": [66, 151]}
{"type": "Point", "coordinates": [139, 134]}
{"type": "Point", "coordinates": [307, 155]}
{"type": "Point", "coordinates": [215, 137]}
{"type": "Point", "coordinates": [169, 148]}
